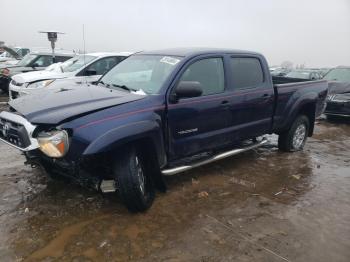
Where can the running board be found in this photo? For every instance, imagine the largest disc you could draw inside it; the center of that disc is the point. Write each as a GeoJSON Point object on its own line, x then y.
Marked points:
{"type": "Point", "coordinates": [175, 170]}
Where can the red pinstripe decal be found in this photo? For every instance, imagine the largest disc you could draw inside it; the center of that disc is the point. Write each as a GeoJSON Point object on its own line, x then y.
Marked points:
{"type": "Point", "coordinates": [162, 107]}
{"type": "Point", "coordinates": [119, 116]}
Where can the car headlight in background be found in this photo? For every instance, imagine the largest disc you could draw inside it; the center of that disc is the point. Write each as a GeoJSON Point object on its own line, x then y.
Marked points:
{"type": "Point", "coordinates": [340, 98]}
{"type": "Point", "coordinates": [54, 143]}
{"type": "Point", "coordinates": [40, 84]}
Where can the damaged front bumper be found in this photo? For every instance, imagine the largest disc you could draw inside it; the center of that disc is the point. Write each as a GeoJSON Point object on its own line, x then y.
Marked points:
{"type": "Point", "coordinates": [78, 172]}
{"type": "Point", "coordinates": [17, 132]}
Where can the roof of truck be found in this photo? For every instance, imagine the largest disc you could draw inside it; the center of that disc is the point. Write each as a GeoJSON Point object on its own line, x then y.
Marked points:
{"type": "Point", "coordinates": [191, 51]}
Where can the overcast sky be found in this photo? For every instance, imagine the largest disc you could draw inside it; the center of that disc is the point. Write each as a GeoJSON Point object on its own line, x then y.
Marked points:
{"type": "Point", "coordinates": [314, 32]}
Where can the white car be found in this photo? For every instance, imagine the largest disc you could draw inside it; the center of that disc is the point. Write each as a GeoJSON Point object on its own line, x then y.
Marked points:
{"type": "Point", "coordinates": [13, 55]}
{"type": "Point", "coordinates": [84, 68]}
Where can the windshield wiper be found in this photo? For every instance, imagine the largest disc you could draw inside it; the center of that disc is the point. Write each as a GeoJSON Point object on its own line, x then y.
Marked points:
{"type": "Point", "coordinates": [124, 87]}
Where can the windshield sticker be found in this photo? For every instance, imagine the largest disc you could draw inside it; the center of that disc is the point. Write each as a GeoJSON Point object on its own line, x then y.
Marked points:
{"type": "Point", "coordinates": [169, 60]}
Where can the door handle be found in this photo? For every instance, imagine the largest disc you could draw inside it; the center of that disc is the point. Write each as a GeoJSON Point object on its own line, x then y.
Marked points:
{"type": "Point", "coordinates": [225, 102]}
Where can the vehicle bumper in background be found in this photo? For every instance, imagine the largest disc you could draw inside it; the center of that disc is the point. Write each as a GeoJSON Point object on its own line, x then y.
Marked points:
{"type": "Point", "coordinates": [338, 109]}
{"type": "Point", "coordinates": [16, 91]}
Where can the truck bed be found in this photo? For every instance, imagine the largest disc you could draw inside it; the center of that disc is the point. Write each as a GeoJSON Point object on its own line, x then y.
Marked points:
{"type": "Point", "coordinates": [289, 91]}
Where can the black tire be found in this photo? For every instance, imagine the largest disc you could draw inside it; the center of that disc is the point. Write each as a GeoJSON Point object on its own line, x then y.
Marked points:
{"type": "Point", "coordinates": [286, 142]}
{"type": "Point", "coordinates": [134, 182]}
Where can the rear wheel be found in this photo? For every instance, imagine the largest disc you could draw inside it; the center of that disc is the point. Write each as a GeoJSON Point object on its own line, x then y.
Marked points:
{"type": "Point", "coordinates": [134, 182]}
{"type": "Point", "coordinates": [294, 139]}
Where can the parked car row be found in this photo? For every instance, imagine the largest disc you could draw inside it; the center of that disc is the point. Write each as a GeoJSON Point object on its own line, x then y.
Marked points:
{"type": "Point", "coordinates": [12, 55]}
{"type": "Point", "coordinates": [154, 114]}
{"type": "Point", "coordinates": [88, 68]}
{"type": "Point", "coordinates": [33, 61]}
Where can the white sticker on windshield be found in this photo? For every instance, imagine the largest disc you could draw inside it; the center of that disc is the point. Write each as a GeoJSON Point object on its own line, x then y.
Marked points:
{"type": "Point", "coordinates": [169, 60]}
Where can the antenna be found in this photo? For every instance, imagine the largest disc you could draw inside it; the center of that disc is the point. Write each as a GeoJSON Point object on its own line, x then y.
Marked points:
{"type": "Point", "coordinates": [84, 51]}
{"type": "Point", "coordinates": [52, 37]}
{"type": "Point", "coordinates": [84, 42]}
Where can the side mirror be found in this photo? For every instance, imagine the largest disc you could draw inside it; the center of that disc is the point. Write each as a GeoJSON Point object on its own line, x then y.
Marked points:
{"type": "Point", "coordinates": [90, 72]}
{"type": "Point", "coordinates": [188, 89]}
{"type": "Point", "coordinates": [35, 65]}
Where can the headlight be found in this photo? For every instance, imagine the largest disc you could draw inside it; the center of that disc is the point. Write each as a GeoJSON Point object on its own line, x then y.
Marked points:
{"type": "Point", "coordinates": [54, 144]}
{"type": "Point", "coordinates": [341, 98]}
{"type": "Point", "coordinates": [330, 97]}
{"type": "Point", "coordinates": [40, 84]}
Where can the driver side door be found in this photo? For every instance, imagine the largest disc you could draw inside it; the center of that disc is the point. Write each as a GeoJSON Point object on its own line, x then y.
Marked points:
{"type": "Point", "coordinates": [198, 124]}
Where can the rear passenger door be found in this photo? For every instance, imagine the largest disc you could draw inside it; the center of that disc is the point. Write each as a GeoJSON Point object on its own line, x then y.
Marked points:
{"type": "Point", "coordinates": [252, 91]}
{"type": "Point", "coordinates": [199, 123]}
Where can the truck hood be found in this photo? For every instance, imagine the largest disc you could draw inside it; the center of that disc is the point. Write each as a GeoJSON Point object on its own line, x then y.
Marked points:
{"type": "Point", "coordinates": [39, 75]}
{"type": "Point", "coordinates": [53, 106]}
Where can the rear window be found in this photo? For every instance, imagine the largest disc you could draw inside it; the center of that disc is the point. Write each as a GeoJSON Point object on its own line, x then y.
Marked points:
{"type": "Point", "coordinates": [246, 72]}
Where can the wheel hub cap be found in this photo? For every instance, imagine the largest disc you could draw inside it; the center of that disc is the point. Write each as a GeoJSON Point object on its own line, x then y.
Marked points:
{"type": "Point", "coordinates": [140, 175]}
{"type": "Point", "coordinates": [299, 136]}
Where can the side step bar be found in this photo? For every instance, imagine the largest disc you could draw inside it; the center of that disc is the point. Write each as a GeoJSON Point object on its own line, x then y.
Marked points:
{"type": "Point", "coordinates": [175, 170]}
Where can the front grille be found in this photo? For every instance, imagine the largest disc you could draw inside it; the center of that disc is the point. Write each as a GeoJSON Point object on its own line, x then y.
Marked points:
{"type": "Point", "coordinates": [14, 133]}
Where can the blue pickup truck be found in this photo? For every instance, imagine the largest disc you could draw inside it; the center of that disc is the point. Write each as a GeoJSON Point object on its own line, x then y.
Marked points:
{"type": "Point", "coordinates": [160, 113]}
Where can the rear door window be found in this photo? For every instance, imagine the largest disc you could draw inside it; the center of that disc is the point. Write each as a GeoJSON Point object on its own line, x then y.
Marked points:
{"type": "Point", "coordinates": [246, 72]}
{"type": "Point", "coordinates": [209, 72]}
{"type": "Point", "coordinates": [43, 61]}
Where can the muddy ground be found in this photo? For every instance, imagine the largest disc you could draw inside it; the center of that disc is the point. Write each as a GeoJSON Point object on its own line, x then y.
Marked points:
{"type": "Point", "coordinates": [263, 205]}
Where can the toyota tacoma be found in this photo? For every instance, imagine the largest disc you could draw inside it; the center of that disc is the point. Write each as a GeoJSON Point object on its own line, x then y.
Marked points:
{"type": "Point", "coordinates": [160, 113]}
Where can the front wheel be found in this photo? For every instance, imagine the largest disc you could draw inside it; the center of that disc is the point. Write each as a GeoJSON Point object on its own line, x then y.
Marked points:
{"type": "Point", "coordinates": [133, 181]}
{"type": "Point", "coordinates": [294, 139]}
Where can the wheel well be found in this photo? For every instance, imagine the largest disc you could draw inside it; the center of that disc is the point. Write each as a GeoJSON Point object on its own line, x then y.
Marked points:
{"type": "Point", "coordinates": [149, 153]}
{"type": "Point", "coordinates": [309, 110]}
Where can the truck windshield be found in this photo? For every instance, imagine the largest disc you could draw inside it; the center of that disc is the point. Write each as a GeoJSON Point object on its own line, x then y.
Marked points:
{"type": "Point", "coordinates": [76, 63]}
{"type": "Point", "coordinates": [145, 73]}
{"type": "Point", "coordinates": [27, 59]}
{"type": "Point", "coordinates": [338, 74]}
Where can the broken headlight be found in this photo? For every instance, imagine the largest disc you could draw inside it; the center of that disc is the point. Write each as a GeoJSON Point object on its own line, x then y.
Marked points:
{"type": "Point", "coordinates": [54, 143]}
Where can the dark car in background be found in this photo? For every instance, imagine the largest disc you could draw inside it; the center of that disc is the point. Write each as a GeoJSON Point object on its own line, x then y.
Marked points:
{"type": "Point", "coordinates": [31, 62]}
{"type": "Point", "coordinates": [338, 100]}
